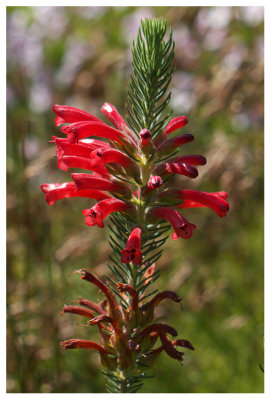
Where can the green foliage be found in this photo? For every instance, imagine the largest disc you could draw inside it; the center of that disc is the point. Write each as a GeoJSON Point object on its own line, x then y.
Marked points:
{"type": "Point", "coordinates": [151, 76]}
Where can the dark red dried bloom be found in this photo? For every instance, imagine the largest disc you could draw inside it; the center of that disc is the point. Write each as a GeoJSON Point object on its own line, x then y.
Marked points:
{"type": "Point", "coordinates": [91, 305]}
{"type": "Point", "coordinates": [169, 347]}
{"type": "Point", "coordinates": [83, 344]}
{"type": "Point", "coordinates": [115, 308]}
{"type": "Point", "coordinates": [183, 343]}
{"type": "Point", "coordinates": [78, 310]}
{"type": "Point", "coordinates": [164, 328]}
{"type": "Point", "coordinates": [134, 294]}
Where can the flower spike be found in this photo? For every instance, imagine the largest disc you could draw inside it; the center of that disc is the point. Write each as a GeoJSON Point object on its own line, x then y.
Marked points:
{"type": "Point", "coordinates": [131, 165]}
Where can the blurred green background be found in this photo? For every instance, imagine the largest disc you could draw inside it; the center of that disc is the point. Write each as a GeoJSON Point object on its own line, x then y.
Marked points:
{"type": "Point", "coordinates": [81, 56]}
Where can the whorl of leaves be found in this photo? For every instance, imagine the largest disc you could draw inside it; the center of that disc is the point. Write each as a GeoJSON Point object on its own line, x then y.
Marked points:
{"type": "Point", "coordinates": [150, 78]}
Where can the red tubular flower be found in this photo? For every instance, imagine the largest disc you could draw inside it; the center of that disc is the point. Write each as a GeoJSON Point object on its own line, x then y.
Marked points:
{"type": "Point", "coordinates": [177, 168]}
{"type": "Point", "coordinates": [106, 155]}
{"type": "Point", "coordinates": [78, 310]}
{"type": "Point", "coordinates": [196, 198]}
{"type": "Point", "coordinates": [169, 145]}
{"type": "Point", "coordinates": [112, 114]}
{"type": "Point", "coordinates": [66, 162]}
{"type": "Point", "coordinates": [81, 130]}
{"type": "Point", "coordinates": [175, 124]}
{"type": "Point", "coordinates": [71, 114]}
{"type": "Point", "coordinates": [57, 191]}
{"type": "Point", "coordinates": [96, 214]}
{"type": "Point", "coordinates": [132, 251]}
{"type": "Point", "coordinates": [81, 149]}
{"type": "Point", "coordinates": [182, 228]}
{"type": "Point", "coordinates": [86, 181]}
{"type": "Point", "coordinates": [193, 159]}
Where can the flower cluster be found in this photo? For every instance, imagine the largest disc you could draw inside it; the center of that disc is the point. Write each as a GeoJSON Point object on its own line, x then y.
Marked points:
{"type": "Point", "coordinates": [120, 330]}
{"type": "Point", "coordinates": [130, 173]}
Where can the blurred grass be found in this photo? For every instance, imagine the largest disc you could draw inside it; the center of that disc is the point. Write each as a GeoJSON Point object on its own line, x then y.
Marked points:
{"type": "Point", "coordinates": [76, 56]}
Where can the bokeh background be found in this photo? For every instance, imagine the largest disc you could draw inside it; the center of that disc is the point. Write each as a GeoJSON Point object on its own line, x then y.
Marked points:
{"type": "Point", "coordinates": [81, 56]}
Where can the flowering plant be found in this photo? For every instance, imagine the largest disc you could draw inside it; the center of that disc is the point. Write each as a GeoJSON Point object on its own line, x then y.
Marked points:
{"type": "Point", "coordinates": [130, 177]}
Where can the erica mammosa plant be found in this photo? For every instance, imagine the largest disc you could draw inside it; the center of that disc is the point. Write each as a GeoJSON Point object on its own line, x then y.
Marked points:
{"type": "Point", "coordinates": [130, 167]}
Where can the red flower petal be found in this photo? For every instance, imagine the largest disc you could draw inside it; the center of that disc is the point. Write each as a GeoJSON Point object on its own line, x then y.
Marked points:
{"type": "Point", "coordinates": [103, 156]}
{"type": "Point", "coordinates": [175, 124]}
{"type": "Point", "coordinates": [81, 130]}
{"type": "Point", "coordinates": [66, 162]}
{"type": "Point", "coordinates": [132, 251]}
{"type": "Point", "coordinates": [192, 159]}
{"type": "Point", "coordinates": [182, 228]}
{"type": "Point", "coordinates": [112, 114]}
{"type": "Point", "coordinates": [87, 181]}
{"type": "Point", "coordinates": [96, 214]}
{"type": "Point", "coordinates": [169, 145]}
{"type": "Point", "coordinates": [58, 191]}
{"type": "Point", "coordinates": [177, 168]}
{"type": "Point", "coordinates": [71, 114]}
{"type": "Point", "coordinates": [196, 198]}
